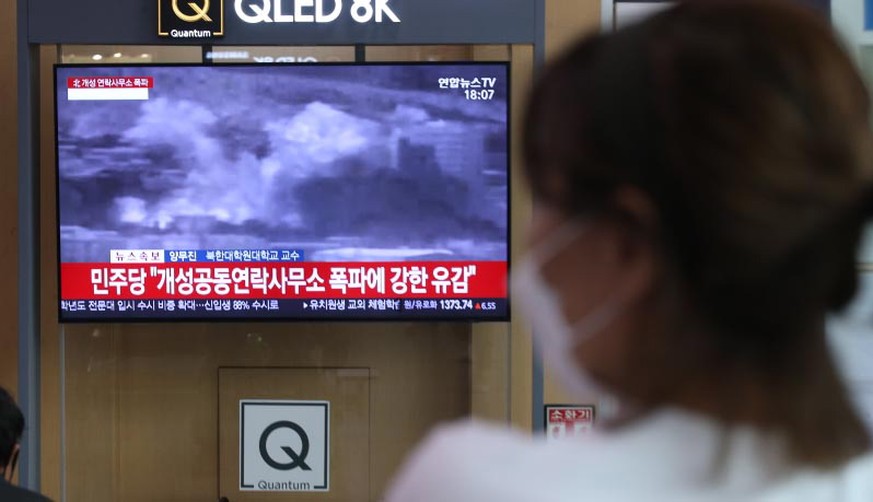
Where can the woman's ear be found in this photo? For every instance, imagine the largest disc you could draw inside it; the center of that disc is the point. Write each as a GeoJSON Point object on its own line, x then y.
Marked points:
{"type": "Point", "coordinates": [638, 208]}
{"type": "Point", "coordinates": [635, 247]}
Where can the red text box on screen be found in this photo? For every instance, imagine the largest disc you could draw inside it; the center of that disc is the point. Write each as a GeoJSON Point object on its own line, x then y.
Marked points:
{"type": "Point", "coordinates": [101, 281]}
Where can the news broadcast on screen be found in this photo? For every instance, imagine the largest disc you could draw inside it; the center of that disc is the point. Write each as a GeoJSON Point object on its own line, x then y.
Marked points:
{"type": "Point", "coordinates": [301, 191]}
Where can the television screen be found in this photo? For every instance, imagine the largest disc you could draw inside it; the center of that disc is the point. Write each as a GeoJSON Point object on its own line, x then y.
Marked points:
{"type": "Point", "coordinates": [315, 191]}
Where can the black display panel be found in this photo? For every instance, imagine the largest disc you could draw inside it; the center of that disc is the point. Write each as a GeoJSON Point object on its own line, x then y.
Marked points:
{"type": "Point", "coordinates": [325, 191]}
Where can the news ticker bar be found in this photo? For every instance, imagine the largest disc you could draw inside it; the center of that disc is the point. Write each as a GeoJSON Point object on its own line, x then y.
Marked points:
{"type": "Point", "coordinates": [447, 308]}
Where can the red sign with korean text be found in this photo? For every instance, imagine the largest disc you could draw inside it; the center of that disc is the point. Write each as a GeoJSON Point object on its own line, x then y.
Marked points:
{"type": "Point", "coordinates": [568, 421]}
{"type": "Point", "coordinates": [110, 82]}
{"type": "Point", "coordinates": [313, 280]}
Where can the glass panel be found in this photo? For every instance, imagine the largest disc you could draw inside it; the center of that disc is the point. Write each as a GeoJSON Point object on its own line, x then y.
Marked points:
{"type": "Point", "coordinates": [280, 54]}
{"type": "Point", "coordinates": [627, 13]}
{"type": "Point", "coordinates": [438, 53]}
{"type": "Point", "coordinates": [98, 54]}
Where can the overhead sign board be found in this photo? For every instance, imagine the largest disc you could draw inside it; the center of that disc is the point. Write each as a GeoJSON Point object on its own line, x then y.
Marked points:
{"type": "Point", "coordinates": [282, 22]}
{"type": "Point", "coordinates": [187, 19]}
{"type": "Point", "coordinates": [284, 446]}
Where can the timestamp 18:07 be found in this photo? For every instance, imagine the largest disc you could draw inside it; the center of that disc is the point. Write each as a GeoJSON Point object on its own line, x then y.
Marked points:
{"type": "Point", "coordinates": [483, 95]}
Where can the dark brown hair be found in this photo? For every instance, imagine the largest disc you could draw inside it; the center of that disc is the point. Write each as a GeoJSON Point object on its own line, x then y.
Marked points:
{"type": "Point", "coordinates": [747, 127]}
{"type": "Point", "coordinates": [11, 426]}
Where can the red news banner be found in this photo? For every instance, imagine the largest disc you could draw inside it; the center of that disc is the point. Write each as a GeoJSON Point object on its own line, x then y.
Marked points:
{"type": "Point", "coordinates": [109, 88]}
{"type": "Point", "coordinates": [314, 280]}
{"type": "Point", "coordinates": [110, 82]}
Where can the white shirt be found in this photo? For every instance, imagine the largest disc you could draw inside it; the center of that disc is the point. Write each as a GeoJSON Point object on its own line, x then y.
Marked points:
{"type": "Point", "coordinates": [670, 455]}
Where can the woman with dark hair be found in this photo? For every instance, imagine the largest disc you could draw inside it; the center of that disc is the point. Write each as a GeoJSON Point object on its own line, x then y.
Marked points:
{"type": "Point", "coordinates": [700, 183]}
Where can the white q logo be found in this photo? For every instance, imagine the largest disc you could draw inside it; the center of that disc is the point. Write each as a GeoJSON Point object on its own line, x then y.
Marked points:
{"type": "Point", "coordinates": [262, 13]}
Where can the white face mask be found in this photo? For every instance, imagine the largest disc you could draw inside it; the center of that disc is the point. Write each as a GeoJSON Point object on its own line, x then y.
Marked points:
{"type": "Point", "coordinates": [557, 339]}
{"type": "Point", "coordinates": [9, 471]}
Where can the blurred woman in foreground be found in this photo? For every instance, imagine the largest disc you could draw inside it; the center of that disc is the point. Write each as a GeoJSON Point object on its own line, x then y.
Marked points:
{"type": "Point", "coordinates": [700, 183]}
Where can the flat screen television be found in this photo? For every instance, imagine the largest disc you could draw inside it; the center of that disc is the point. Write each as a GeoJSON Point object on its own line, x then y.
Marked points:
{"type": "Point", "coordinates": [283, 192]}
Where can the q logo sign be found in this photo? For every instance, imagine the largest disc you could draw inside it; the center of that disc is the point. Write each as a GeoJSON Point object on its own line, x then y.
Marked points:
{"type": "Point", "coordinates": [191, 19]}
{"type": "Point", "coordinates": [199, 12]}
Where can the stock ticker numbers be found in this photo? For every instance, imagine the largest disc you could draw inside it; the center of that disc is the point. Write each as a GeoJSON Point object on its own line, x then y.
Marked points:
{"type": "Point", "coordinates": [456, 304]}
{"type": "Point", "coordinates": [467, 305]}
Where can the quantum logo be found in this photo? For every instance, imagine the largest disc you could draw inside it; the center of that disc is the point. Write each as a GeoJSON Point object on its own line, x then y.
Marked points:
{"type": "Point", "coordinates": [190, 18]}
{"type": "Point", "coordinates": [312, 11]}
{"type": "Point", "coordinates": [200, 13]}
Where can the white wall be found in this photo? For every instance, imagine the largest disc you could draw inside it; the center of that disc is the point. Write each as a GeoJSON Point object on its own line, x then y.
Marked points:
{"type": "Point", "coordinates": [852, 332]}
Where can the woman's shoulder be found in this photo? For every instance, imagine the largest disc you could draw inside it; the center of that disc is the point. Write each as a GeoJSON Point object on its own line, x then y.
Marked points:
{"type": "Point", "coordinates": [476, 434]}
{"type": "Point", "coordinates": [667, 454]}
{"type": "Point", "coordinates": [475, 461]}
{"type": "Point", "coordinates": [464, 461]}
{"type": "Point", "coordinates": [851, 483]}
